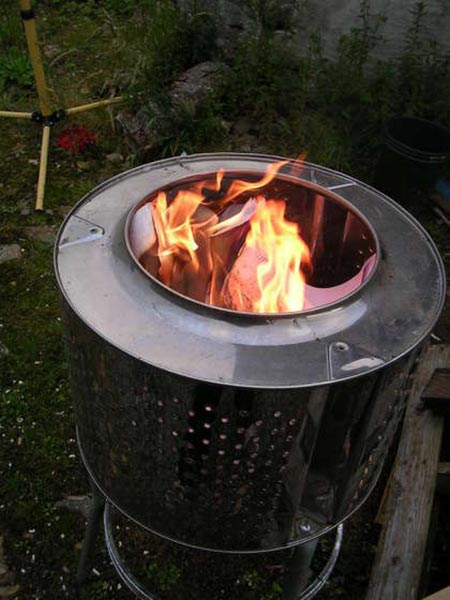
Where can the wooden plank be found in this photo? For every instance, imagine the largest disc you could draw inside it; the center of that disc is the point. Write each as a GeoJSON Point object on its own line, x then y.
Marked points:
{"type": "Point", "coordinates": [397, 569]}
{"type": "Point", "coordinates": [443, 479]}
{"type": "Point", "coordinates": [437, 393]}
{"type": "Point", "coordinates": [441, 595]}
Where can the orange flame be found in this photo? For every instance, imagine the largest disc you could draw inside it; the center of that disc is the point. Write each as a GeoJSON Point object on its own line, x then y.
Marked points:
{"type": "Point", "coordinates": [280, 252]}
{"type": "Point", "coordinates": [263, 275]}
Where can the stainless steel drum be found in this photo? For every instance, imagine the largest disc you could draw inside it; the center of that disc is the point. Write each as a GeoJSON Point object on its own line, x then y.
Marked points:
{"type": "Point", "coordinates": [241, 432]}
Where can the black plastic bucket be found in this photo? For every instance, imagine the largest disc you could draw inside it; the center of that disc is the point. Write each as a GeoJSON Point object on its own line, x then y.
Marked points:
{"type": "Point", "coordinates": [414, 155]}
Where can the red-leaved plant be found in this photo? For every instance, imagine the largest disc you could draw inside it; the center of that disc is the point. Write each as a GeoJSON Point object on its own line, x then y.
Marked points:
{"type": "Point", "coordinates": [76, 139]}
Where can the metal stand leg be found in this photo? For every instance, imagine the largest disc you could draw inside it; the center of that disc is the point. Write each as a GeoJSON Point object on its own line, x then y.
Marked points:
{"type": "Point", "coordinates": [92, 531]}
{"type": "Point", "coordinates": [295, 584]}
{"type": "Point", "coordinates": [298, 570]}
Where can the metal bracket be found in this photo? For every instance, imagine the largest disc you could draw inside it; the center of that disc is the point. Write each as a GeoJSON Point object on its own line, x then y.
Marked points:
{"type": "Point", "coordinates": [48, 120]}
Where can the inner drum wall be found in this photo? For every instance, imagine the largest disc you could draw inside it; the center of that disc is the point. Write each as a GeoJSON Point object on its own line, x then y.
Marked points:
{"type": "Point", "coordinates": [223, 468]}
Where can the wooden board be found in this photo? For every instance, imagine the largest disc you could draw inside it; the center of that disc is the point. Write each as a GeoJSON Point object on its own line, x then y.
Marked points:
{"type": "Point", "coordinates": [397, 569]}
{"type": "Point", "coordinates": [437, 392]}
{"type": "Point", "coordinates": [441, 595]}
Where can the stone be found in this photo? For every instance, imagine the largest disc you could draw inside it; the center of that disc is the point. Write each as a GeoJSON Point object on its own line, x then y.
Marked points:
{"type": "Point", "coordinates": [79, 504]}
{"type": "Point", "coordinates": [114, 158]}
{"type": "Point", "coordinates": [8, 591]}
{"type": "Point", "coordinates": [41, 233]}
{"type": "Point", "coordinates": [139, 128]}
{"type": "Point", "coordinates": [145, 129]}
{"type": "Point", "coordinates": [10, 252]}
{"type": "Point", "coordinates": [197, 83]}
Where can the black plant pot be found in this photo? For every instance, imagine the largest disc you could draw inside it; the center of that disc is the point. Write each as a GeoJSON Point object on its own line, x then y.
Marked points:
{"type": "Point", "coordinates": [414, 156]}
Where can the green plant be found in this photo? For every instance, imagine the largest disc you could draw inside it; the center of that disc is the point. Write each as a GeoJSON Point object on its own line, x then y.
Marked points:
{"type": "Point", "coordinates": [167, 41]}
{"type": "Point", "coordinates": [189, 129]}
{"type": "Point", "coordinates": [265, 80]}
{"type": "Point", "coordinates": [423, 71]}
{"type": "Point", "coordinates": [10, 30]}
{"type": "Point", "coordinates": [15, 68]}
{"type": "Point", "coordinates": [272, 14]}
{"type": "Point", "coordinates": [166, 576]}
{"type": "Point", "coordinates": [253, 582]}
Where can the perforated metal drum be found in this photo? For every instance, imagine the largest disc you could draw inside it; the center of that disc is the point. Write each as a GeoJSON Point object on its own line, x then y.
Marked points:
{"type": "Point", "coordinates": [230, 431]}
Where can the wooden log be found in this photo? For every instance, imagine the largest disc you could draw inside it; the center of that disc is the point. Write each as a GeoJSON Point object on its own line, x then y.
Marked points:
{"type": "Point", "coordinates": [398, 564]}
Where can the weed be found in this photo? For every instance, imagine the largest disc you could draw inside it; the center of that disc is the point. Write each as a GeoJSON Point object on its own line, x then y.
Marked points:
{"type": "Point", "coordinates": [166, 576]}
{"type": "Point", "coordinates": [166, 42]}
{"type": "Point", "coordinates": [15, 69]}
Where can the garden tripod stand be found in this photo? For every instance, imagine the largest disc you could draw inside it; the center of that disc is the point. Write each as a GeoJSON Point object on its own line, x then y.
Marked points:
{"type": "Point", "coordinates": [45, 116]}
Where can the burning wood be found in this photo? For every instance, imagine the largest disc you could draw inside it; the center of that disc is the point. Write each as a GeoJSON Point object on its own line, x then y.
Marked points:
{"type": "Point", "coordinates": [215, 244]}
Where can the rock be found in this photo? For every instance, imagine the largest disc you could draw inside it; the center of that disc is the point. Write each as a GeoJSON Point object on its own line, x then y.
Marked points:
{"type": "Point", "coordinates": [139, 128]}
{"type": "Point", "coordinates": [114, 158]}
{"type": "Point", "coordinates": [8, 591]}
{"type": "Point", "coordinates": [41, 233]}
{"type": "Point", "coordinates": [79, 504]}
{"type": "Point", "coordinates": [197, 83]}
{"type": "Point", "coordinates": [10, 252]}
{"type": "Point", "coordinates": [146, 128]}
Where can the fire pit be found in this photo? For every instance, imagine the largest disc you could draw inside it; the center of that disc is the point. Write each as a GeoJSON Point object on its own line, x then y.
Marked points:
{"type": "Point", "coordinates": [207, 413]}
{"type": "Point", "coordinates": [237, 244]}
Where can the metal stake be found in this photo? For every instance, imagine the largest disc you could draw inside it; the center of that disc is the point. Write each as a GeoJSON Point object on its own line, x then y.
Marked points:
{"type": "Point", "coordinates": [298, 570]}
{"type": "Point", "coordinates": [92, 530]}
